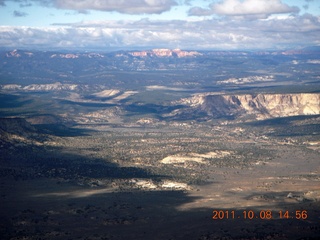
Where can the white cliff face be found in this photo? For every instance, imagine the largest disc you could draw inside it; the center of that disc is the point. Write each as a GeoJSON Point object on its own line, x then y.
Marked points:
{"type": "Point", "coordinates": [282, 105]}
{"type": "Point", "coordinates": [261, 106]}
{"type": "Point", "coordinates": [41, 87]}
{"type": "Point", "coordinates": [50, 87]}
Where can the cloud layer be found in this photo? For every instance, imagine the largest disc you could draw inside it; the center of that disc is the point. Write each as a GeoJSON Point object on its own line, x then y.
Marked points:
{"type": "Point", "coordinates": [208, 34]}
{"type": "Point", "coordinates": [251, 8]}
{"type": "Point", "coordinates": [122, 6]}
{"type": "Point", "coordinates": [234, 24]}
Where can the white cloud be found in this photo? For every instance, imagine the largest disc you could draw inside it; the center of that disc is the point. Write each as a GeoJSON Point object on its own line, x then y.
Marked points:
{"type": "Point", "coordinates": [122, 6]}
{"type": "Point", "coordinates": [252, 7]}
{"type": "Point", "coordinates": [214, 34]}
{"type": "Point", "coordinates": [258, 9]}
{"type": "Point", "coordinates": [198, 11]}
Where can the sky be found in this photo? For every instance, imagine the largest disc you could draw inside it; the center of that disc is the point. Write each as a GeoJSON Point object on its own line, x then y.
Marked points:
{"type": "Point", "coordinates": [146, 24]}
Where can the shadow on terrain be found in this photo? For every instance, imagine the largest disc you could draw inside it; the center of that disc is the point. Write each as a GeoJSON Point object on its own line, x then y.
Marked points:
{"type": "Point", "coordinates": [52, 162]}
{"type": "Point", "coordinates": [291, 126]}
{"type": "Point", "coordinates": [62, 130]}
{"type": "Point", "coordinates": [13, 101]}
{"type": "Point", "coordinates": [150, 109]}
{"type": "Point", "coordinates": [63, 211]}
{"type": "Point", "coordinates": [40, 199]}
{"type": "Point", "coordinates": [22, 157]}
{"type": "Point", "coordinates": [298, 131]}
{"type": "Point", "coordinates": [87, 104]}
{"type": "Point", "coordinates": [282, 120]}
{"type": "Point", "coordinates": [41, 132]}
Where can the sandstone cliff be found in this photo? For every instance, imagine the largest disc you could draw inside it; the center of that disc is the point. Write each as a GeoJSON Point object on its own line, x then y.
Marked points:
{"type": "Point", "coordinates": [260, 106]}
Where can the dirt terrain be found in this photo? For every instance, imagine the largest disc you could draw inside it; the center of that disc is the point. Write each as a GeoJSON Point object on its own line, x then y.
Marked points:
{"type": "Point", "coordinates": [152, 183]}
{"type": "Point", "coordinates": [160, 144]}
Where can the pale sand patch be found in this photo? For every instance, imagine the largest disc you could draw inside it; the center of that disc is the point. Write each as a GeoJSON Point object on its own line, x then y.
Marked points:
{"type": "Point", "coordinates": [107, 93]}
{"type": "Point", "coordinates": [195, 157]}
{"type": "Point", "coordinates": [175, 185]}
{"type": "Point", "coordinates": [159, 87]}
{"type": "Point", "coordinates": [312, 195]}
{"type": "Point", "coordinates": [124, 95]}
{"type": "Point", "coordinates": [313, 143]}
{"type": "Point", "coordinates": [149, 184]}
{"type": "Point", "coordinates": [181, 159]}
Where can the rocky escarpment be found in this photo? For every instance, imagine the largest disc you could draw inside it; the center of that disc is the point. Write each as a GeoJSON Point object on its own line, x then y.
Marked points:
{"type": "Point", "coordinates": [260, 106]}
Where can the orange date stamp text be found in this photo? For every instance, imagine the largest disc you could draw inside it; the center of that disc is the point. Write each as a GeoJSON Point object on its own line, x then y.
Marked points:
{"type": "Point", "coordinates": [261, 214]}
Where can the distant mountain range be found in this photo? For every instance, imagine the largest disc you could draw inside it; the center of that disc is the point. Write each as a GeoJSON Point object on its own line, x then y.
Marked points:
{"type": "Point", "coordinates": [171, 53]}
{"type": "Point", "coordinates": [162, 83]}
{"type": "Point", "coordinates": [132, 70]}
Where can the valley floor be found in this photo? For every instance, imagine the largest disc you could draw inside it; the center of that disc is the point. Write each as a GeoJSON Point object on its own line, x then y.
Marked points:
{"type": "Point", "coordinates": [259, 182]}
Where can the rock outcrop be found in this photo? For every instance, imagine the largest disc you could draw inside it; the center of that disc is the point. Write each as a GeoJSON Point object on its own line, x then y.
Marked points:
{"type": "Point", "coordinates": [40, 87]}
{"type": "Point", "coordinates": [260, 106]}
{"type": "Point", "coordinates": [164, 52]}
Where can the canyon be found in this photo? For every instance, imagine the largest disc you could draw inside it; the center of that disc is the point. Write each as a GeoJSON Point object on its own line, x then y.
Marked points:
{"type": "Point", "coordinates": [150, 143]}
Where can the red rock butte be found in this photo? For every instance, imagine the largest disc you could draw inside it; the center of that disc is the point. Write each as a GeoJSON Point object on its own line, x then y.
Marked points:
{"type": "Point", "coordinates": [164, 52]}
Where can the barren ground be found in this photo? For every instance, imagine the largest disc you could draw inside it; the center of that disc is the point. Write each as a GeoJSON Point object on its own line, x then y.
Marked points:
{"type": "Point", "coordinates": [161, 184]}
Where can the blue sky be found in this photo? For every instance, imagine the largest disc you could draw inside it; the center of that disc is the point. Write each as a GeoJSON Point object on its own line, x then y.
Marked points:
{"type": "Point", "coordinates": [203, 24]}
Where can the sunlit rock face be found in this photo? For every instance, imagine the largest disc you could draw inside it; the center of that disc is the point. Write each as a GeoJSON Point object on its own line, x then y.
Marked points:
{"type": "Point", "coordinates": [57, 86]}
{"type": "Point", "coordinates": [260, 106]}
